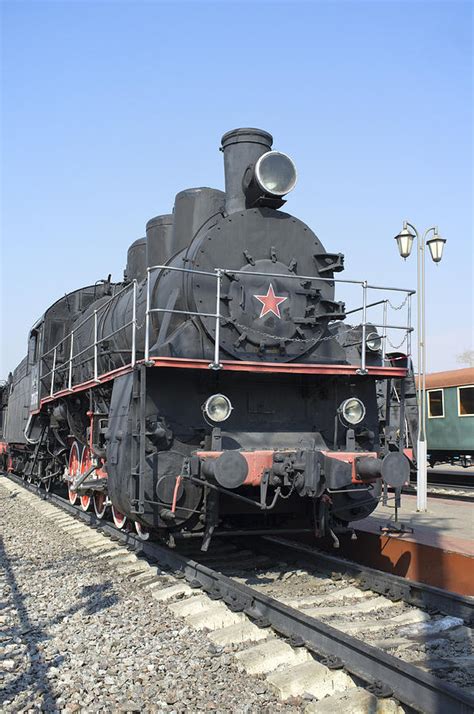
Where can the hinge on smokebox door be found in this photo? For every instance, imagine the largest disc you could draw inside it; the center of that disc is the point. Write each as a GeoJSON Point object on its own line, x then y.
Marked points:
{"type": "Point", "coordinates": [329, 262]}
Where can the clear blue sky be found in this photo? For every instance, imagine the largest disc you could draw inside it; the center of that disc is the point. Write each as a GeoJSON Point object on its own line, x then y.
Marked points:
{"type": "Point", "coordinates": [110, 108]}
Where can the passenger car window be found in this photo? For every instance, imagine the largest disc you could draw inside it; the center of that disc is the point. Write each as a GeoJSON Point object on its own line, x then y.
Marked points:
{"type": "Point", "coordinates": [435, 403]}
{"type": "Point", "coordinates": [466, 401]}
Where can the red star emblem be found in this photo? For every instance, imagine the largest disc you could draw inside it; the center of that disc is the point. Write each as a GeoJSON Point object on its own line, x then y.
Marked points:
{"type": "Point", "coordinates": [270, 302]}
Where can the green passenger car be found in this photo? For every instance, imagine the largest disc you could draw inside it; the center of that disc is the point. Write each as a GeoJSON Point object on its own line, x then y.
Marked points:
{"type": "Point", "coordinates": [450, 416]}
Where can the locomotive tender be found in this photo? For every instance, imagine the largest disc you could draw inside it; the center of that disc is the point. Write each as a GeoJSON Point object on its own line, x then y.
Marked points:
{"type": "Point", "coordinates": [218, 387]}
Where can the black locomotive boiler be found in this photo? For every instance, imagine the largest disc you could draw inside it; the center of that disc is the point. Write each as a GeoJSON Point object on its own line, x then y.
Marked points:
{"type": "Point", "coordinates": [218, 388]}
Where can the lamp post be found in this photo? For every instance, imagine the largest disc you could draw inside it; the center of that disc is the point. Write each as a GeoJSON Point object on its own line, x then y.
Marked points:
{"type": "Point", "coordinates": [436, 244]}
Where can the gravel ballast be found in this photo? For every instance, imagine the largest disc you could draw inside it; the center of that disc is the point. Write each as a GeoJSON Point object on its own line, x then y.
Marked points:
{"type": "Point", "coordinates": [76, 636]}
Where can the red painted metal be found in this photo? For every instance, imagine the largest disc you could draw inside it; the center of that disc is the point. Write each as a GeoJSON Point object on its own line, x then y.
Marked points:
{"type": "Point", "coordinates": [279, 367]}
{"type": "Point", "coordinates": [175, 493]}
{"type": "Point", "coordinates": [434, 564]}
{"type": "Point", "coordinates": [258, 461]}
{"type": "Point", "coordinates": [408, 453]}
{"type": "Point", "coordinates": [86, 463]}
{"type": "Point", "coordinates": [349, 457]}
{"type": "Point", "coordinates": [74, 466]}
{"type": "Point", "coordinates": [99, 498]}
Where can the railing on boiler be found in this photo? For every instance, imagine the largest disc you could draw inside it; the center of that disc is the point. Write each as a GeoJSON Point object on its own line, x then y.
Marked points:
{"type": "Point", "coordinates": [67, 367]}
{"type": "Point", "coordinates": [218, 274]}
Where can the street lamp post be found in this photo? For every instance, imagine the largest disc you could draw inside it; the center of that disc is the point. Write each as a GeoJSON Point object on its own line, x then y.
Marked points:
{"type": "Point", "coordinates": [436, 244]}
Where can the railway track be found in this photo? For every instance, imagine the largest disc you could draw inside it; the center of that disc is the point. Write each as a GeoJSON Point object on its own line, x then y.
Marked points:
{"type": "Point", "coordinates": [454, 493]}
{"type": "Point", "coordinates": [450, 484]}
{"type": "Point", "coordinates": [313, 625]}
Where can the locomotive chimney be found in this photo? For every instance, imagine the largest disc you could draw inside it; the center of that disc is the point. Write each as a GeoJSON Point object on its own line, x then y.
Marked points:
{"type": "Point", "coordinates": [241, 147]}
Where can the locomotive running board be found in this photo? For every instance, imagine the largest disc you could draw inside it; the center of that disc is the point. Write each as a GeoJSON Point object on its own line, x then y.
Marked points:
{"type": "Point", "coordinates": [278, 367]}
{"type": "Point", "coordinates": [232, 366]}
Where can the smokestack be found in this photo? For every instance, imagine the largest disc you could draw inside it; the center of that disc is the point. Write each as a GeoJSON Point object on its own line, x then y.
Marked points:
{"type": "Point", "coordinates": [241, 148]}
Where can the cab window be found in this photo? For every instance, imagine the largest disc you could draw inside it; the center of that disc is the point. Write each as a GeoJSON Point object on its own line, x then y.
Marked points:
{"type": "Point", "coordinates": [435, 403]}
{"type": "Point", "coordinates": [33, 347]}
{"type": "Point", "coordinates": [466, 401]}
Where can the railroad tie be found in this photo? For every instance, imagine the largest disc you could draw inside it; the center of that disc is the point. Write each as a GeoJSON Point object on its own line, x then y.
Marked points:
{"type": "Point", "coordinates": [354, 701]}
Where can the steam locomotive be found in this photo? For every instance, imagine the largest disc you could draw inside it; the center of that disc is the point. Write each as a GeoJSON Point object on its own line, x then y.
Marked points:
{"type": "Point", "coordinates": [218, 388]}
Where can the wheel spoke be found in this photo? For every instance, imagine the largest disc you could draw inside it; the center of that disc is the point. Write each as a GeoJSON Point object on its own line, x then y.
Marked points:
{"type": "Point", "coordinates": [100, 504]}
{"type": "Point", "coordinates": [74, 467]}
{"type": "Point", "coordinates": [119, 518]}
{"type": "Point", "coordinates": [86, 463]}
{"type": "Point", "coordinates": [142, 531]}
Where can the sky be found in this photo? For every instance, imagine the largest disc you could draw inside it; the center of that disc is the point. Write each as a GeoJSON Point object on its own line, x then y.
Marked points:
{"type": "Point", "coordinates": [110, 108]}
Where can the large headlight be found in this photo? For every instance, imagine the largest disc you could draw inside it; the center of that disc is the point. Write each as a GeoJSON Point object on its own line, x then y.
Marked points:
{"type": "Point", "coordinates": [352, 410]}
{"type": "Point", "coordinates": [275, 173]}
{"type": "Point", "coordinates": [217, 408]}
{"type": "Point", "coordinates": [373, 342]}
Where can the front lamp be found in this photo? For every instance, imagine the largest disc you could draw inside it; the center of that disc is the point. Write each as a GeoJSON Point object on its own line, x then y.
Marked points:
{"type": "Point", "coordinates": [352, 410]}
{"type": "Point", "coordinates": [275, 174]}
{"type": "Point", "coordinates": [217, 408]}
{"type": "Point", "coordinates": [373, 342]}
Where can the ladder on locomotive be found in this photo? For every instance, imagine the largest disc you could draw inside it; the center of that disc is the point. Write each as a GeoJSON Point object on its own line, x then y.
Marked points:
{"type": "Point", "coordinates": [138, 434]}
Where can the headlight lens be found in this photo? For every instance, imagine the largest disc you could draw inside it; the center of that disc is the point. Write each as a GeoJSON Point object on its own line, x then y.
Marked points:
{"type": "Point", "coordinates": [217, 408]}
{"type": "Point", "coordinates": [373, 342]}
{"type": "Point", "coordinates": [352, 410]}
{"type": "Point", "coordinates": [275, 173]}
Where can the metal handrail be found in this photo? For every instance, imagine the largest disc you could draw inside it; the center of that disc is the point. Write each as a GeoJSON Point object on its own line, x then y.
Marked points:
{"type": "Point", "coordinates": [372, 304]}
{"type": "Point", "coordinates": [293, 276]}
{"type": "Point", "coordinates": [219, 272]}
{"type": "Point", "coordinates": [70, 336]}
{"type": "Point", "coordinates": [216, 275]}
{"type": "Point", "coordinates": [89, 317]}
{"type": "Point", "coordinates": [296, 276]}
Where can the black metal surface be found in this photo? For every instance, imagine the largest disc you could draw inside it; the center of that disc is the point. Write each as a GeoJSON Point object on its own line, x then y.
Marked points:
{"type": "Point", "coordinates": [273, 242]}
{"type": "Point", "coordinates": [241, 148]}
{"type": "Point", "coordinates": [246, 533]}
{"type": "Point", "coordinates": [274, 301]}
{"type": "Point", "coordinates": [410, 685]}
{"type": "Point", "coordinates": [159, 235]}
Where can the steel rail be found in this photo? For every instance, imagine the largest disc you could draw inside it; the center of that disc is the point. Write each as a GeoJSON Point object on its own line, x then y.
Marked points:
{"type": "Point", "coordinates": [439, 490]}
{"type": "Point", "coordinates": [410, 685]}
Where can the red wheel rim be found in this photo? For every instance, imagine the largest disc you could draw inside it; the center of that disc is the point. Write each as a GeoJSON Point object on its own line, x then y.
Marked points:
{"type": "Point", "coordinates": [100, 497]}
{"type": "Point", "coordinates": [119, 518]}
{"type": "Point", "coordinates": [142, 531]}
{"type": "Point", "coordinates": [86, 463]}
{"type": "Point", "coordinates": [100, 505]}
{"type": "Point", "coordinates": [73, 469]}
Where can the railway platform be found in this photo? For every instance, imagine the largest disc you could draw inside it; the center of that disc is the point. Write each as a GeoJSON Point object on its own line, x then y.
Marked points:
{"type": "Point", "coordinates": [435, 547]}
